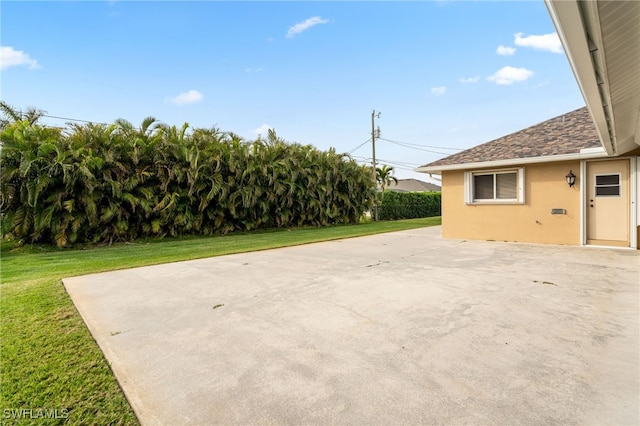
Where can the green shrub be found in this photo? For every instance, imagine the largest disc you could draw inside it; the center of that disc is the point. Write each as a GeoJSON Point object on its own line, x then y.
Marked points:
{"type": "Point", "coordinates": [409, 205]}
{"type": "Point", "coordinates": [104, 183]}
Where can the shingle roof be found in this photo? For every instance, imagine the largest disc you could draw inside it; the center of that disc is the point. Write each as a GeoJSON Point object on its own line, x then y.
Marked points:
{"type": "Point", "coordinates": [565, 134]}
{"type": "Point", "coordinates": [413, 185]}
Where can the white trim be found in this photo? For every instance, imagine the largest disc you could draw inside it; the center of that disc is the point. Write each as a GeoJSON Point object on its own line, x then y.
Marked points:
{"type": "Point", "coordinates": [634, 188]}
{"type": "Point", "coordinates": [634, 195]}
{"type": "Point", "coordinates": [512, 162]}
{"type": "Point", "coordinates": [609, 247]}
{"type": "Point", "coordinates": [521, 193]}
{"type": "Point", "coordinates": [591, 150]}
{"type": "Point", "coordinates": [583, 203]}
{"type": "Point", "coordinates": [468, 187]}
{"type": "Point", "coordinates": [636, 132]}
{"type": "Point", "coordinates": [619, 185]}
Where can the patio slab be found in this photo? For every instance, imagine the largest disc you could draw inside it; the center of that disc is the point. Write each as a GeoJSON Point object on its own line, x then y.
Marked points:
{"type": "Point", "coordinates": [398, 328]}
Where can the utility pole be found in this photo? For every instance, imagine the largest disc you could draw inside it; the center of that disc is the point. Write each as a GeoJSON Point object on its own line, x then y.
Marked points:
{"type": "Point", "coordinates": [373, 157]}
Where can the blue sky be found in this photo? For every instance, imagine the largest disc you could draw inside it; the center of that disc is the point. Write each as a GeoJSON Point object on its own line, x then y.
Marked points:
{"type": "Point", "coordinates": [449, 74]}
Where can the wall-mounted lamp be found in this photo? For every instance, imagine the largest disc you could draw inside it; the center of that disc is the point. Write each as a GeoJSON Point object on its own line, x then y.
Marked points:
{"type": "Point", "coordinates": [571, 179]}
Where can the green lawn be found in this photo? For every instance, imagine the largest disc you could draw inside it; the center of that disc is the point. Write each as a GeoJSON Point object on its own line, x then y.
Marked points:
{"type": "Point", "coordinates": [48, 359]}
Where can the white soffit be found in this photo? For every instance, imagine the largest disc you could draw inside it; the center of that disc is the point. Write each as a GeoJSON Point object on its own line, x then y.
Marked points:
{"type": "Point", "coordinates": [620, 28]}
{"type": "Point", "coordinates": [602, 42]}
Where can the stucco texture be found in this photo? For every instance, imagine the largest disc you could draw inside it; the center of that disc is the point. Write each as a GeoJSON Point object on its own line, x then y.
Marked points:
{"type": "Point", "coordinates": [532, 221]}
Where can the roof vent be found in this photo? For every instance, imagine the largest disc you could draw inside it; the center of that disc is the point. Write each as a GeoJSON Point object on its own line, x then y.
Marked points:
{"type": "Point", "coordinates": [563, 118]}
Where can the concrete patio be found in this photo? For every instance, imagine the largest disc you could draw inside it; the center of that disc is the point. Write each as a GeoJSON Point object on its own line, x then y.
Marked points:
{"type": "Point", "coordinates": [399, 328]}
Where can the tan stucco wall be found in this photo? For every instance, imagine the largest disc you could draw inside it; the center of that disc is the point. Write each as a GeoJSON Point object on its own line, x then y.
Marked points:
{"type": "Point", "coordinates": [545, 189]}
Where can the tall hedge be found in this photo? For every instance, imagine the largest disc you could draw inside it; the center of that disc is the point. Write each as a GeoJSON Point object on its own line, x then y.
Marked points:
{"type": "Point", "coordinates": [104, 183]}
{"type": "Point", "coordinates": [409, 205]}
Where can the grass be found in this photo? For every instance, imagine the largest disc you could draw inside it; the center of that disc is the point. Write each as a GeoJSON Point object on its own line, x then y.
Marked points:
{"type": "Point", "coordinates": [48, 359]}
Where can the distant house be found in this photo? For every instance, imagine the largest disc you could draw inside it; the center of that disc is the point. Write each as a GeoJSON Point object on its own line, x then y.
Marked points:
{"type": "Point", "coordinates": [413, 185]}
{"type": "Point", "coordinates": [573, 179]}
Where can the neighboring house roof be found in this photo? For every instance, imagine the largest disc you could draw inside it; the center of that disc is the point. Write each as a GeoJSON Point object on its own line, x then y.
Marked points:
{"type": "Point", "coordinates": [559, 138]}
{"type": "Point", "coordinates": [413, 185]}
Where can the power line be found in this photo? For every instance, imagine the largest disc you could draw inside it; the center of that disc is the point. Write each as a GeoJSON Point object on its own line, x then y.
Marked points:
{"type": "Point", "coordinates": [73, 119]}
{"type": "Point", "coordinates": [402, 163]}
{"type": "Point", "coordinates": [409, 169]}
{"type": "Point", "coordinates": [414, 147]}
{"type": "Point", "coordinates": [363, 160]}
{"type": "Point", "coordinates": [402, 144]}
{"type": "Point", "coordinates": [359, 146]}
{"type": "Point", "coordinates": [423, 146]}
{"type": "Point", "coordinates": [396, 164]}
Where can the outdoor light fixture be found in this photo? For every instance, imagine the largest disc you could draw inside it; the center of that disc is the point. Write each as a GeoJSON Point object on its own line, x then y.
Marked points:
{"type": "Point", "coordinates": [571, 179]}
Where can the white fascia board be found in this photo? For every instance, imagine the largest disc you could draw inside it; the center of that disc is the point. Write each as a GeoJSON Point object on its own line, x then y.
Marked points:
{"type": "Point", "coordinates": [599, 149]}
{"type": "Point", "coordinates": [636, 138]}
{"type": "Point", "coordinates": [513, 162]}
{"type": "Point", "coordinates": [567, 19]}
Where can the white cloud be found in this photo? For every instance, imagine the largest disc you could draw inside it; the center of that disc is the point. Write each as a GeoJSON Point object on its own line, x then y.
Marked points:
{"type": "Point", "coordinates": [470, 80]}
{"type": "Point", "coordinates": [187, 98]}
{"type": "Point", "coordinates": [505, 50]}
{"type": "Point", "coordinates": [11, 58]}
{"type": "Point", "coordinates": [253, 69]}
{"type": "Point", "coordinates": [510, 75]}
{"type": "Point", "coordinates": [305, 25]}
{"type": "Point", "coordinates": [438, 91]}
{"type": "Point", "coordinates": [262, 130]}
{"type": "Point", "coordinates": [548, 42]}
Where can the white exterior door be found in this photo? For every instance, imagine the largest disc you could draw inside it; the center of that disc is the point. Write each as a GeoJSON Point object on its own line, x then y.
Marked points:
{"type": "Point", "coordinates": [608, 203]}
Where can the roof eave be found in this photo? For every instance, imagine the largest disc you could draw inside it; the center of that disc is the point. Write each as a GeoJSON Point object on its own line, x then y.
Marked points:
{"type": "Point", "coordinates": [584, 155]}
{"type": "Point", "coordinates": [583, 56]}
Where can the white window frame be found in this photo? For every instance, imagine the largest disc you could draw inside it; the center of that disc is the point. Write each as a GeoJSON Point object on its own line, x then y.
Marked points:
{"type": "Point", "coordinates": [469, 190]}
{"type": "Point", "coordinates": [595, 185]}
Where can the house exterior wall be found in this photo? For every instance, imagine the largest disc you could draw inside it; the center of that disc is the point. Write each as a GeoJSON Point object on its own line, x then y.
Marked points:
{"type": "Point", "coordinates": [545, 188]}
{"type": "Point", "coordinates": [637, 197]}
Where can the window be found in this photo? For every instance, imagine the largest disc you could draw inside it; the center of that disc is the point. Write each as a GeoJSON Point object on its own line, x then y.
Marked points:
{"type": "Point", "coordinates": [496, 186]}
{"type": "Point", "coordinates": [608, 185]}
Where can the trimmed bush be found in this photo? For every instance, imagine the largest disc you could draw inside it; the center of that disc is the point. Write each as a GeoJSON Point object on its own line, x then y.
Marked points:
{"type": "Point", "coordinates": [96, 183]}
{"type": "Point", "coordinates": [409, 205]}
